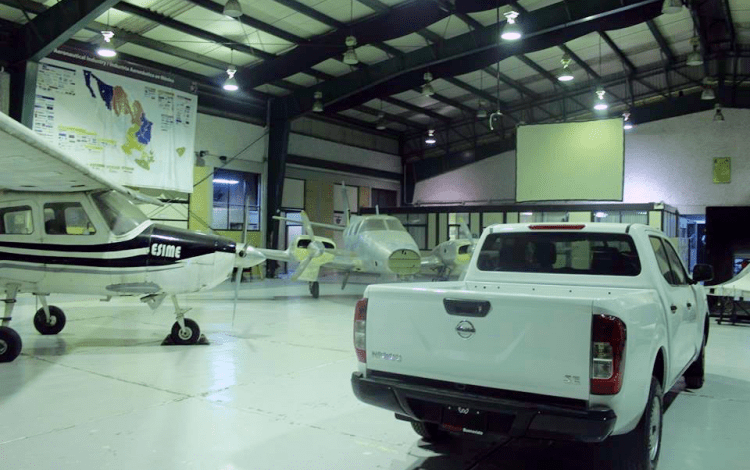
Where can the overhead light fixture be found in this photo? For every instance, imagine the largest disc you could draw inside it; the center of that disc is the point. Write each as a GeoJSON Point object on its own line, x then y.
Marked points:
{"type": "Point", "coordinates": [427, 89]}
{"type": "Point", "coordinates": [565, 75]}
{"type": "Point", "coordinates": [627, 123]}
{"type": "Point", "coordinates": [350, 56]}
{"type": "Point", "coordinates": [231, 83]}
{"type": "Point", "coordinates": [708, 94]}
{"type": "Point", "coordinates": [600, 215]}
{"type": "Point", "coordinates": [511, 30]}
{"type": "Point", "coordinates": [671, 6]}
{"type": "Point", "coordinates": [225, 181]}
{"type": "Point", "coordinates": [380, 123]}
{"type": "Point", "coordinates": [106, 48]}
{"type": "Point", "coordinates": [233, 9]}
{"type": "Point", "coordinates": [601, 103]}
{"type": "Point", "coordinates": [430, 139]}
{"type": "Point", "coordinates": [318, 104]}
{"type": "Point", "coordinates": [718, 116]}
{"type": "Point", "coordinates": [694, 58]}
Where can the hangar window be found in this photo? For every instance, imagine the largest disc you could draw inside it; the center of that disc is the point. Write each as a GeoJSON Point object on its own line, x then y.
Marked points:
{"type": "Point", "coordinates": [416, 225]}
{"type": "Point", "coordinates": [16, 221]}
{"type": "Point", "coordinates": [67, 218]}
{"type": "Point", "coordinates": [232, 190]}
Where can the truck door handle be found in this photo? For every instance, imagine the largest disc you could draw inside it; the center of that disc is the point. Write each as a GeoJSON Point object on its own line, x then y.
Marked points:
{"type": "Point", "coordinates": [467, 308]}
{"type": "Point", "coordinates": [673, 308]}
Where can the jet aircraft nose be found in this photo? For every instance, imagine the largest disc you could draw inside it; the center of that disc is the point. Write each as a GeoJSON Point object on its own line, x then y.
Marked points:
{"type": "Point", "coordinates": [404, 262]}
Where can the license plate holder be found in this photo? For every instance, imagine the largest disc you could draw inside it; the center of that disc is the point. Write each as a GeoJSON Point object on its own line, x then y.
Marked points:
{"type": "Point", "coordinates": [464, 419]}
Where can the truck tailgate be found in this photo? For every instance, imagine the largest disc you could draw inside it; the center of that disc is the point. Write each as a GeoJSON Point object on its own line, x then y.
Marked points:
{"type": "Point", "coordinates": [500, 338]}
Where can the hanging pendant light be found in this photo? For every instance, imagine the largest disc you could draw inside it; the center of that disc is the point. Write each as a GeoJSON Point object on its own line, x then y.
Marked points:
{"type": "Point", "coordinates": [511, 31]}
{"type": "Point", "coordinates": [627, 123]}
{"type": "Point", "coordinates": [718, 117]}
{"type": "Point", "coordinates": [601, 103]}
{"type": "Point", "coordinates": [350, 56]}
{"type": "Point", "coordinates": [318, 104]}
{"type": "Point", "coordinates": [427, 89]}
{"type": "Point", "coordinates": [565, 75]}
{"type": "Point", "coordinates": [694, 58]}
{"type": "Point", "coordinates": [231, 83]}
{"type": "Point", "coordinates": [481, 111]}
{"type": "Point", "coordinates": [671, 6]}
{"type": "Point", "coordinates": [380, 123]}
{"type": "Point", "coordinates": [233, 9]}
{"type": "Point", "coordinates": [430, 139]}
{"type": "Point", "coordinates": [106, 48]}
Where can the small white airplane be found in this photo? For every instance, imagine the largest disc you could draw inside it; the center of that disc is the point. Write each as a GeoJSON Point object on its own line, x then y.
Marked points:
{"type": "Point", "coordinates": [66, 229]}
{"type": "Point", "coordinates": [374, 244]}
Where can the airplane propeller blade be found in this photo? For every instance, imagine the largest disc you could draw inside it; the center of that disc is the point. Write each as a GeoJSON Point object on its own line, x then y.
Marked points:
{"type": "Point", "coordinates": [307, 225]}
{"type": "Point", "coordinates": [466, 233]}
{"type": "Point", "coordinates": [302, 266]}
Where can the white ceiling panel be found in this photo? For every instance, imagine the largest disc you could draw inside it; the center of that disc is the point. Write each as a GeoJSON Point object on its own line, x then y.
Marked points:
{"type": "Point", "coordinates": [152, 55]}
{"type": "Point", "coordinates": [134, 24]}
{"type": "Point", "coordinates": [112, 17]}
{"type": "Point", "coordinates": [333, 67]}
{"type": "Point", "coordinates": [408, 43]}
{"type": "Point", "coordinates": [178, 39]}
{"type": "Point", "coordinates": [302, 25]}
{"type": "Point", "coordinates": [515, 69]}
{"type": "Point", "coordinates": [740, 10]}
{"type": "Point", "coordinates": [200, 69]}
{"type": "Point", "coordinates": [632, 37]}
{"type": "Point", "coordinates": [12, 14]}
{"type": "Point", "coordinates": [340, 10]}
{"type": "Point", "coordinates": [647, 57]}
{"type": "Point", "coordinates": [490, 16]}
{"type": "Point", "coordinates": [371, 55]}
{"type": "Point", "coordinates": [237, 58]}
{"type": "Point", "coordinates": [302, 79]}
{"type": "Point", "coordinates": [454, 92]}
{"type": "Point", "coordinates": [449, 27]}
{"type": "Point", "coordinates": [675, 22]}
{"type": "Point", "coordinates": [549, 55]}
{"type": "Point", "coordinates": [272, 90]}
{"type": "Point", "coordinates": [532, 5]}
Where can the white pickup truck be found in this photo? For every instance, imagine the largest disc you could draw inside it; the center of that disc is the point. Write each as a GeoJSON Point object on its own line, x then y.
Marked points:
{"type": "Point", "coordinates": [558, 331]}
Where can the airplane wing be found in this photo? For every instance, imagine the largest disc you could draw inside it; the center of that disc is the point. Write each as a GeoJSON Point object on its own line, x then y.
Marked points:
{"type": "Point", "coordinates": [31, 164]}
{"type": "Point", "coordinates": [343, 261]}
{"type": "Point", "coordinates": [738, 286]}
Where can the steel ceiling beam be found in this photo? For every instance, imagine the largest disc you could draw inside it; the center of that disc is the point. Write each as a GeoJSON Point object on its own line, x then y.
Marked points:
{"type": "Point", "coordinates": [51, 28]}
{"type": "Point", "coordinates": [416, 109]}
{"type": "Point", "coordinates": [661, 41]}
{"type": "Point", "coordinates": [391, 117]}
{"type": "Point", "coordinates": [474, 50]}
{"type": "Point", "coordinates": [618, 52]}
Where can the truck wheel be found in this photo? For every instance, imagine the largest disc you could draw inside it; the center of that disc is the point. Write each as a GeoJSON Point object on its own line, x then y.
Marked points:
{"type": "Point", "coordinates": [430, 432]}
{"type": "Point", "coordinates": [695, 374]}
{"type": "Point", "coordinates": [639, 449]}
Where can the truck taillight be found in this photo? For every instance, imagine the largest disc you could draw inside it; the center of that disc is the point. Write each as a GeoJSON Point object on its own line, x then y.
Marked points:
{"type": "Point", "coordinates": [360, 327]}
{"type": "Point", "coordinates": [607, 350]}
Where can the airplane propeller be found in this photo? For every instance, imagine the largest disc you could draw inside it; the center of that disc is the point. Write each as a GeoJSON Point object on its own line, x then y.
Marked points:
{"type": "Point", "coordinates": [314, 249]}
{"type": "Point", "coordinates": [464, 232]}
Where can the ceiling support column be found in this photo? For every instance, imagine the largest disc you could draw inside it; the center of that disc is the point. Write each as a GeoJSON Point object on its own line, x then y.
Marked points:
{"type": "Point", "coordinates": [278, 147]}
{"type": "Point", "coordinates": [23, 92]}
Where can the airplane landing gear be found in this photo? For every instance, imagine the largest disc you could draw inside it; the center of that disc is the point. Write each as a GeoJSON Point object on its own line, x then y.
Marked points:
{"type": "Point", "coordinates": [49, 320]}
{"type": "Point", "coordinates": [10, 344]}
{"type": "Point", "coordinates": [184, 331]}
{"type": "Point", "coordinates": [315, 289]}
{"type": "Point", "coordinates": [10, 341]}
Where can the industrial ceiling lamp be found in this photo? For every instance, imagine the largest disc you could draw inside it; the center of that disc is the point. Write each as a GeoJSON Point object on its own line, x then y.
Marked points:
{"type": "Point", "coordinates": [694, 58]}
{"type": "Point", "coordinates": [350, 56]}
{"type": "Point", "coordinates": [708, 94]}
{"type": "Point", "coordinates": [718, 117]}
{"type": "Point", "coordinates": [511, 31]}
{"type": "Point", "coordinates": [565, 75]}
{"type": "Point", "coordinates": [671, 6]}
{"type": "Point", "coordinates": [231, 83]}
{"type": "Point", "coordinates": [380, 123]}
{"type": "Point", "coordinates": [106, 48]}
{"type": "Point", "coordinates": [627, 123]}
{"type": "Point", "coordinates": [481, 112]}
{"type": "Point", "coordinates": [430, 139]}
{"type": "Point", "coordinates": [427, 89]}
{"type": "Point", "coordinates": [601, 103]}
{"type": "Point", "coordinates": [318, 104]}
{"type": "Point", "coordinates": [233, 9]}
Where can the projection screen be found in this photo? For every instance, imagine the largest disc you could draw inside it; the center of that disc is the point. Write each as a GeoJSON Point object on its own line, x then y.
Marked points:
{"type": "Point", "coordinates": [570, 161]}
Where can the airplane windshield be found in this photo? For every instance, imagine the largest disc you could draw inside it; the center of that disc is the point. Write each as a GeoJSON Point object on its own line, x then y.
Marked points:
{"type": "Point", "coordinates": [119, 212]}
{"type": "Point", "coordinates": [373, 225]}
{"type": "Point", "coordinates": [395, 225]}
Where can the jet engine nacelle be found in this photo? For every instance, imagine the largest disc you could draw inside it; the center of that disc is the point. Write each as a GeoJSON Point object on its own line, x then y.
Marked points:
{"type": "Point", "coordinates": [454, 253]}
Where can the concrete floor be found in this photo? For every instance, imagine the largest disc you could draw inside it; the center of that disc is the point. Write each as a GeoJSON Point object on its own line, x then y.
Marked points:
{"type": "Point", "coordinates": [272, 392]}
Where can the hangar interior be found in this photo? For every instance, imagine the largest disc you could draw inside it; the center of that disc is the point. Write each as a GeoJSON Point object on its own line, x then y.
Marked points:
{"type": "Point", "coordinates": [408, 108]}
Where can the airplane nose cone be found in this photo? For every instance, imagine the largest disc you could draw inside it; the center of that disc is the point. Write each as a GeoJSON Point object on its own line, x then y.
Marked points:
{"type": "Point", "coordinates": [248, 257]}
{"type": "Point", "coordinates": [404, 262]}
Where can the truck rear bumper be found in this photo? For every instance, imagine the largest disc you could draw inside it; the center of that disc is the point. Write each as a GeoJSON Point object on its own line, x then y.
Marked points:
{"type": "Point", "coordinates": [514, 417]}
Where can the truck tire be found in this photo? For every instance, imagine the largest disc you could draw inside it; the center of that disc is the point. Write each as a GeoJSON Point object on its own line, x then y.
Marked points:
{"type": "Point", "coordinates": [695, 375]}
{"type": "Point", "coordinates": [640, 448]}
{"type": "Point", "coordinates": [430, 432]}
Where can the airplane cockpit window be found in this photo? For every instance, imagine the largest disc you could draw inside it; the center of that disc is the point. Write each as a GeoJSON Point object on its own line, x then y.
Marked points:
{"type": "Point", "coordinates": [373, 225]}
{"type": "Point", "coordinates": [119, 212]}
{"type": "Point", "coordinates": [395, 225]}
{"type": "Point", "coordinates": [67, 218]}
{"type": "Point", "coordinates": [16, 221]}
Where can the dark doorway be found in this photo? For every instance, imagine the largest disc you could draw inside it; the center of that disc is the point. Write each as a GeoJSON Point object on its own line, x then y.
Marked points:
{"type": "Point", "coordinates": [727, 238]}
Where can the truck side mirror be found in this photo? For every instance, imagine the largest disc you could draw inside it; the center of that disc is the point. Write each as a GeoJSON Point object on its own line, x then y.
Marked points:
{"type": "Point", "coordinates": [703, 272]}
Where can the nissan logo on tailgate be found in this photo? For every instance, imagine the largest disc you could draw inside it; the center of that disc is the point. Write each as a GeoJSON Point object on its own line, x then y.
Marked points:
{"type": "Point", "coordinates": [465, 329]}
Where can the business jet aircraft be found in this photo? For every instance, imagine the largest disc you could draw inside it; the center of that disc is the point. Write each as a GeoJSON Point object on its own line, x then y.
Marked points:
{"type": "Point", "coordinates": [375, 244]}
{"type": "Point", "coordinates": [66, 229]}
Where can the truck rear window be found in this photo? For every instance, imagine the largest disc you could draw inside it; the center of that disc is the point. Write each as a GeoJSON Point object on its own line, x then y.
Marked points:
{"type": "Point", "coordinates": [607, 254]}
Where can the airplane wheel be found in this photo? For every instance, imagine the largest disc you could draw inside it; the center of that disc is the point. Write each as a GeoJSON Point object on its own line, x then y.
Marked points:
{"type": "Point", "coordinates": [315, 289]}
{"type": "Point", "coordinates": [10, 344]}
{"type": "Point", "coordinates": [56, 321]}
{"type": "Point", "coordinates": [188, 335]}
